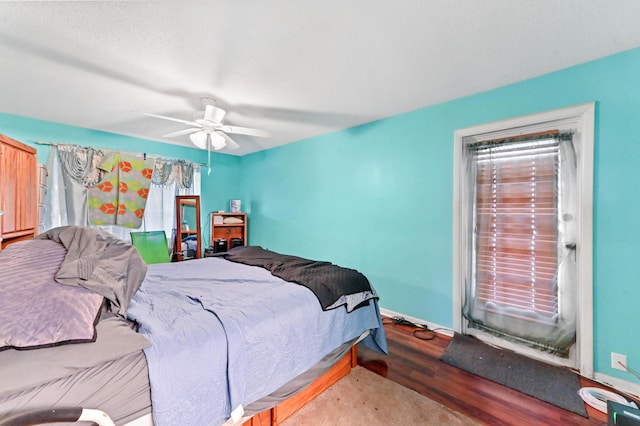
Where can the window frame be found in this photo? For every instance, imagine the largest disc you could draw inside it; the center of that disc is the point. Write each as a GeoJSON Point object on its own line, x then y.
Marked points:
{"type": "Point", "coordinates": [581, 119]}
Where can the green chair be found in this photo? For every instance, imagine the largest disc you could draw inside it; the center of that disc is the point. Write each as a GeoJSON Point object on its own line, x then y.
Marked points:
{"type": "Point", "coordinates": [152, 246]}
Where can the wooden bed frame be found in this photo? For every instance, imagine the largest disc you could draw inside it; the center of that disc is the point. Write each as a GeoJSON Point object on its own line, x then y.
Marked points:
{"type": "Point", "coordinates": [287, 408]}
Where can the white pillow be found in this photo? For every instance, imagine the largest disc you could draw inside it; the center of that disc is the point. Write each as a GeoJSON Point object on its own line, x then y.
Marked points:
{"type": "Point", "coordinates": [232, 220]}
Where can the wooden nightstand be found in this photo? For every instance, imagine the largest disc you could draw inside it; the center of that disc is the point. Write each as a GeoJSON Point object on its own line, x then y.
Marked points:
{"type": "Point", "coordinates": [231, 227]}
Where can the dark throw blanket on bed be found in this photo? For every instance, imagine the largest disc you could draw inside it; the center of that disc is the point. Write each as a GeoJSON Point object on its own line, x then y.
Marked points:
{"type": "Point", "coordinates": [327, 281]}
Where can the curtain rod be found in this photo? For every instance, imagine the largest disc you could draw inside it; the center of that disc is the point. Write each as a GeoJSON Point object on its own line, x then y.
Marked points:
{"type": "Point", "coordinates": [527, 135]}
{"type": "Point", "coordinates": [153, 156]}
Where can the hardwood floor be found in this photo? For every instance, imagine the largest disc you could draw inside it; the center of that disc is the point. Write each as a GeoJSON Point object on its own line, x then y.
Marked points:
{"type": "Point", "coordinates": [416, 364]}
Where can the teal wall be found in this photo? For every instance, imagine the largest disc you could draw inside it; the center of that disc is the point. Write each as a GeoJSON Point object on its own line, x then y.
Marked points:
{"type": "Point", "coordinates": [220, 186]}
{"type": "Point", "coordinates": [379, 197]}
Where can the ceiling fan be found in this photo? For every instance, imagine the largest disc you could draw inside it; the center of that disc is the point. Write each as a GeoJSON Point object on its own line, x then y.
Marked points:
{"type": "Point", "coordinates": [208, 130]}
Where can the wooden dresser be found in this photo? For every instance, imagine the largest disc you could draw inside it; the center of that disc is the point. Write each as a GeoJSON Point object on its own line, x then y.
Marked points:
{"type": "Point", "coordinates": [18, 191]}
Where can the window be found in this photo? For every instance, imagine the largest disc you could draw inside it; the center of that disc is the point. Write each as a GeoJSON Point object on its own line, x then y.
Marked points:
{"type": "Point", "coordinates": [522, 238]}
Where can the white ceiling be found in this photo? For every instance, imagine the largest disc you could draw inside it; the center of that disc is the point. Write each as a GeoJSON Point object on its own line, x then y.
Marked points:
{"type": "Point", "coordinates": [296, 68]}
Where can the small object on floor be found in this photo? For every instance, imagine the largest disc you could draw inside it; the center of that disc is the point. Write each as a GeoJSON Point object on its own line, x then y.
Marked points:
{"type": "Point", "coordinates": [598, 398]}
{"type": "Point", "coordinates": [402, 321]}
{"type": "Point", "coordinates": [622, 415]}
{"type": "Point", "coordinates": [422, 332]}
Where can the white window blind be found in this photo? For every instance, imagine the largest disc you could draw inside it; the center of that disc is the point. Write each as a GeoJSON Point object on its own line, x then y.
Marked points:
{"type": "Point", "coordinates": [516, 226]}
{"type": "Point", "coordinates": [520, 260]}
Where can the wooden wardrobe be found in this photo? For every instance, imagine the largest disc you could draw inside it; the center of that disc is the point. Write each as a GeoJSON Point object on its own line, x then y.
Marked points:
{"type": "Point", "coordinates": [18, 191]}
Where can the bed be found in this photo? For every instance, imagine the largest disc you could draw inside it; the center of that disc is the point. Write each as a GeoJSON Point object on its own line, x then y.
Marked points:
{"type": "Point", "coordinates": [246, 337]}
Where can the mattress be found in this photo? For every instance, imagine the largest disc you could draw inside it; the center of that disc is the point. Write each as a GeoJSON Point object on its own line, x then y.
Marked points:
{"type": "Point", "coordinates": [110, 374]}
{"type": "Point", "coordinates": [121, 389]}
{"type": "Point", "coordinates": [300, 382]}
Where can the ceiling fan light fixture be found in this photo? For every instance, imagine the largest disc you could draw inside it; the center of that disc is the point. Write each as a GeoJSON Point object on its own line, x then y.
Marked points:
{"type": "Point", "coordinates": [199, 139]}
{"type": "Point", "coordinates": [218, 141]}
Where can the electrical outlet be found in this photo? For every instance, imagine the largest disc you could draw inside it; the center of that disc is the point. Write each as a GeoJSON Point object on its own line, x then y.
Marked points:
{"type": "Point", "coordinates": [615, 358]}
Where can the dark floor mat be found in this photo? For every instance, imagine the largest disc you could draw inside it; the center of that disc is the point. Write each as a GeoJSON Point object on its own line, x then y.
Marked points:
{"type": "Point", "coordinates": [556, 385]}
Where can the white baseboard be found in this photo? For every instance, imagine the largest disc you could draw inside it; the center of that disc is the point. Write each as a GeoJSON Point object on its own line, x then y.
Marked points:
{"type": "Point", "coordinates": [432, 326]}
{"type": "Point", "coordinates": [632, 389]}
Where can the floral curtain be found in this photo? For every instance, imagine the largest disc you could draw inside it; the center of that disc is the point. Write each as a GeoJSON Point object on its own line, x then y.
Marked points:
{"type": "Point", "coordinates": [120, 197]}
{"type": "Point", "coordinates": [73, 169]}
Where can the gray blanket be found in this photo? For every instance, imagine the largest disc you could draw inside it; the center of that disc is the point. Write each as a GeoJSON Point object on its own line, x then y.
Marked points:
{"type": "Point", "coordinates": [100, 262]}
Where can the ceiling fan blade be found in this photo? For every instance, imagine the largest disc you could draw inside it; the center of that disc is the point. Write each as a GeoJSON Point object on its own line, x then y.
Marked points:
{"type": "Point", "coordinates": [177, 120]}
{"type": "Point", "coordinates": [231, 144]}
{"type": "Point", "coordinates": [181, 132]}
{"type": "Point", "coordinates": [245, 131]}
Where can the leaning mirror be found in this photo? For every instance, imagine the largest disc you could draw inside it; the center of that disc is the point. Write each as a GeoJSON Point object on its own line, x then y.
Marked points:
{"type": "Point", "coordinates": [188, 236]}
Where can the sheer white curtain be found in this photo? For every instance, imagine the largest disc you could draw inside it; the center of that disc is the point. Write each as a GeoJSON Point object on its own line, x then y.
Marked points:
{"type": "Point", "coordinates": [67, 199]}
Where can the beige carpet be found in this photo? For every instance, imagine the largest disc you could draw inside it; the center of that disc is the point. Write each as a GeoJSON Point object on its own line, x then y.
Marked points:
{"type": "Point", "coordinates": [365, 398]}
